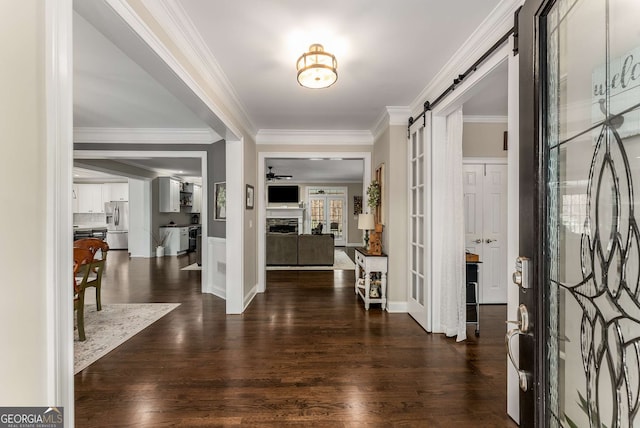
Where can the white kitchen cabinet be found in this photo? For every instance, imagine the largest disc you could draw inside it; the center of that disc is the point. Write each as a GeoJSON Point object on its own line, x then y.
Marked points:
{"type": "Point", "coordinates": [117, 192]}
{"type": "Point", "coordinates": [177, 240]}
{"type": "Point", "coordinates": [90, 199]}
{"type": "Point", "coordinates": [169, 195]}
{"type": "Point", "coordinates": [197, 199]}
{"type": "Point", "coordinates": [74, 199]}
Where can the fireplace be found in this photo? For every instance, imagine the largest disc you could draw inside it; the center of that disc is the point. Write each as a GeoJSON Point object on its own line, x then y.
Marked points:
{"type": "Point", "coordinates": [285, 220]}
{"type": "Point", "coordinates": [282, 225]}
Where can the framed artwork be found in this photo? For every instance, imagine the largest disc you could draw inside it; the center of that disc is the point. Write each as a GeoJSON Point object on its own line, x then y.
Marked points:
{"type": "Point", "coordinates": [220, 200]}
{"type": "Point", "coordinates": [249, 197]}
{"type": "Point", "coordinates": [379, 217]}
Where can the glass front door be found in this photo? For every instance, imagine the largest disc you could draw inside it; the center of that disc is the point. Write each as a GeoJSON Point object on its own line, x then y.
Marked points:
{"type": "Point", "coordinates": [587, 267]}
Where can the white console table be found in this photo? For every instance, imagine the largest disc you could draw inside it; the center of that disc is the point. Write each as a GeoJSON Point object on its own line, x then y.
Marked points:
{"type": "Point", "coordinates": [366, 264]}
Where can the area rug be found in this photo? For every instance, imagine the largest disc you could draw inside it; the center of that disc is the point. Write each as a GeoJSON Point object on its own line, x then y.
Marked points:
{"type": "Point", "coordinates": [340, 262]}
{"type": "Point", "coordinates": [192, 266]}
{"type": "Point", "coordinates": [112, 326]}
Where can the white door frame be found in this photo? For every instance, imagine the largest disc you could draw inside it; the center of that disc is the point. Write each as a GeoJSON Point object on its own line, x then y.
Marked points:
{"type": "Point", "coordinates": [202, 155]}
{"type": "Point", "coordinates": [451, 103]}
{"type": "Point", "coordinates": [261, 201]}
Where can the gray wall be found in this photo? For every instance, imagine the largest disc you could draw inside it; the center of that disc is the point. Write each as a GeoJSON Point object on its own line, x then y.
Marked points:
{"type": "Point", "coordinates": [216, 171]}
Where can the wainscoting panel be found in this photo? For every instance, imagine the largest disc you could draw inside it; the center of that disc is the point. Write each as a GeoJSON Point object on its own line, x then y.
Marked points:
{"type": "Point", "coordinates": [217, 272]}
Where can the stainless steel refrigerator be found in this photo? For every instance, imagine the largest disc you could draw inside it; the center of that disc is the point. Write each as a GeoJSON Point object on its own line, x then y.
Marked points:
{"type": "Point", "coordinates": [117, 225]}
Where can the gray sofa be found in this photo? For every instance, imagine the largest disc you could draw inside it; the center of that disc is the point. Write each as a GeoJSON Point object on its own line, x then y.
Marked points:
{"type": "Point", "coordinates": [286, 249]}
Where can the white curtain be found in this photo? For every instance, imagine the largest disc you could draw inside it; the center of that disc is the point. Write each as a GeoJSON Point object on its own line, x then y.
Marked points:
{"type": "Point", "coordinates": [451, 242]}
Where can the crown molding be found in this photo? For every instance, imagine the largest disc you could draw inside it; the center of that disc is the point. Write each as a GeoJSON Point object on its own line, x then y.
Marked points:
{"type": "Point", "coordinates": [179, 27]}
{"type": "Point", "coordinates": [142, 29]}
{"type": "Point", "coordinates": [497, 23]}
{"type": "Point", "coordinates": [313, 137]}
{"type": "Point", "coordinates": [484, 119]}
{"type": "Point", "coordinates": [391, 116]}
{"type": "Point", "coordinates": [145, 135]}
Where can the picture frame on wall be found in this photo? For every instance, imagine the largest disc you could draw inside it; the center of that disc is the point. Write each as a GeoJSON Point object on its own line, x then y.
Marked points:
{"type": "Point", "coordinates": [379, 212]}
{"type": "Point", "coordinates": [220, 201]}
{"type": "Point", "coordinates": [249, 197]}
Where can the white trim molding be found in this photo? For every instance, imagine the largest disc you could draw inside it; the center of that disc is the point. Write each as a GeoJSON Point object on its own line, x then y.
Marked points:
{"type": "Point", "coordinates": [177, 24]}
{"type": "Point", "coordinates": [490, 161]}
{"type": "Point", "coordinates": [261, 196]}
{"type": "Point", "coordinates": [484, 119]}
{"type": "Point", "coordinates": [139, 26]}
{"type": "Point", "coordinates": [248, 298]}
{"type": "Point", "coordinates": [145, 135]}
{"type": "Point", "coordinates": [497, 23]}
{"type": "Point", "coordinates": [397, 307]}
{"type": "Point", "coordinates": [314, 137]}
{"type": "Point", "coordinates": [391, 116]}
{"type": "Point", "coordinates": [58, 19]}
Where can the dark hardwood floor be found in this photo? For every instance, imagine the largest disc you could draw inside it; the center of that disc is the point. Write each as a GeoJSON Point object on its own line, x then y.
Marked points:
{"type": "Point", "coordinates": [305, 353]}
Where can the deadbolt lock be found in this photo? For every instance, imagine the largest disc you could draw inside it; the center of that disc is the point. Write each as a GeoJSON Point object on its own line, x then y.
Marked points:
{"type": "Point", "coordinates": [522, 275]}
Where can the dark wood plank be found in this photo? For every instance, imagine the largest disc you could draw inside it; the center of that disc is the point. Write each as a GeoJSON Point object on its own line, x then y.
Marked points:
{"type": "Point", "coordinates": [305, 353]}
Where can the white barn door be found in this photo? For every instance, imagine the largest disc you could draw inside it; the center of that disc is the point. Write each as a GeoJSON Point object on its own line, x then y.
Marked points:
{"type": "Point", "coordinates": [419, 170]}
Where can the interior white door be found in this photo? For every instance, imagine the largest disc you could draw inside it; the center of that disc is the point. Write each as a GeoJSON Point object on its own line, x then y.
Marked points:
{"type": "Point", "coordinates": [473, 208]}
{"type": "Point", "coordinates": [485, 205]}
{"type": "Point", "coordinates": [419, 267]}
{"type": "Point", "coordinates": [494, 251]}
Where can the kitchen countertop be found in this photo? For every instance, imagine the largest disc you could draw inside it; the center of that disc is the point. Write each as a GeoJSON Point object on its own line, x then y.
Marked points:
{"type": "Point", "coordinates": [84, 227]}
{"type": "Point", "coordinates": [182, 225]}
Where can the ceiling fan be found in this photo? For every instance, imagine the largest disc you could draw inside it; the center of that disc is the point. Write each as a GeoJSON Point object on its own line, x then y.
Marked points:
{"type": "Point", "coordinates": [273, 176]}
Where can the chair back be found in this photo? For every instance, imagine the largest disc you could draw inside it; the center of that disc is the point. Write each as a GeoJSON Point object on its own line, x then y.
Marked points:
{"type": "Point", "coordinates": [94, 245]}
{"type": "Point", "coordinates": [81, 258]}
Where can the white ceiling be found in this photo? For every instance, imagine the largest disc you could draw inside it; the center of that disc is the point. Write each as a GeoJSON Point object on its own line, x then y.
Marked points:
{"type": "Point", "coordinates": [387, 53]}
{"type": "Point", "coordinates": [318, 171]}
{"type": "Point", "coordinates": [111, 90]}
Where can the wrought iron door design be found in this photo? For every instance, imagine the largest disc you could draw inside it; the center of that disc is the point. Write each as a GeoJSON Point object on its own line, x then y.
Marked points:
{"type": "Point", "coordinates": [591, 129]}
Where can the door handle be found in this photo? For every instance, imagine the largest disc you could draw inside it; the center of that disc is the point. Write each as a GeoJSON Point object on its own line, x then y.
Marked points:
{"type": "Point", "coordinates": [524, 326]}
{"type": "Point", "coordinates": [478, 241]}
{"type": "Point", "coordinates": [489, 241]}
{"type": "Point", "coordinates": [524, 378]}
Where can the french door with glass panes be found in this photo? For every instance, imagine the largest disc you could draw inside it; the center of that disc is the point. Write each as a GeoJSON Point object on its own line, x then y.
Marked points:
{"type": "Point", "coordinates": [419, 150]}
{"type": "Point", "coordinates": [579, 326]}
{"type": "Point", "coordinates": [327, 206]}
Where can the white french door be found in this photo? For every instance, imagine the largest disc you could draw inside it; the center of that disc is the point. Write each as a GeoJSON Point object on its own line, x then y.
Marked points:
{"type": "Point", "coordinates": [485, 211]}
{"type": "Point", "coordinates": [419, 293]}
{"type": "Point", "coordinates": [328, 208]}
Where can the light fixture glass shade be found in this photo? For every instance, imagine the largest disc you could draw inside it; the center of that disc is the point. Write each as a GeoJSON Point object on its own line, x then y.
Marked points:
{"type": "Point", "coordinates": [366, 222]}
{"type": "Point", "coordinates": [317, 68]}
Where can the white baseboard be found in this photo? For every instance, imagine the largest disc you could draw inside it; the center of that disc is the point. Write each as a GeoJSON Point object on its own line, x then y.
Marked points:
{"type": "Point", "coordinates": [397, 307]}
{"type": "Point", "coordinates": [355, 244]}
{"type": "Point", "coordinates": [249, 297]}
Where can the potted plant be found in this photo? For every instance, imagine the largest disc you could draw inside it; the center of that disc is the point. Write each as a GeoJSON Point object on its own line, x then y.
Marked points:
{"type": "Point", "coordinates": [373, 194]}
{"type": "Point", "coordinates": [159, 242]}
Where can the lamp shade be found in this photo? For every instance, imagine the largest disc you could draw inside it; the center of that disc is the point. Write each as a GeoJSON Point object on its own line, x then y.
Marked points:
{"type": "Point", "coordinates": [317, 69]}
{"type": "Point", "coordinates": [366, 222]}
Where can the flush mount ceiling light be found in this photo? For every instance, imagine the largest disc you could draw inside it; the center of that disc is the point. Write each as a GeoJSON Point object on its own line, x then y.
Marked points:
{"type": "Point", "coordinates": [317, 69]}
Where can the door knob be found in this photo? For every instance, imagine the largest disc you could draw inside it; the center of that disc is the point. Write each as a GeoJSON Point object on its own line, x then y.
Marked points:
{"type": "Point", "coordinates": [523, 319]}
{"type": "Point", "coordinates": [489, 241]}
{"type": "Point", "coordinates": [478, 241]}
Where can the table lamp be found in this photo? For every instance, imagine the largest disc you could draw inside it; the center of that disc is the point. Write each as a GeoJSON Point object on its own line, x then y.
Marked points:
{"type": "Point", "coordinates": [366, 223]}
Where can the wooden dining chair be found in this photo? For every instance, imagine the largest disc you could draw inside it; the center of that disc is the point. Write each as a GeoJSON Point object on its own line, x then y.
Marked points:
{"type": "Point", "coordinates": [81, 270]}
{"type": "Point", "coordinates": [95, 245]}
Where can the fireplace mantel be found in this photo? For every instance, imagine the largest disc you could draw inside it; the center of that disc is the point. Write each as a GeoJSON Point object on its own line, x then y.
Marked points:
{"type": "Point", "coordinates": [286, 212]}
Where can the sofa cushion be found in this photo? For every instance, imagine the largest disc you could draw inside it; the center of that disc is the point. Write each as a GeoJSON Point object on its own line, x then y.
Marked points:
{"type": "Point", "coordinates": [315, 250]}
{"type": "Point", "coordinates": [282, 249]}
